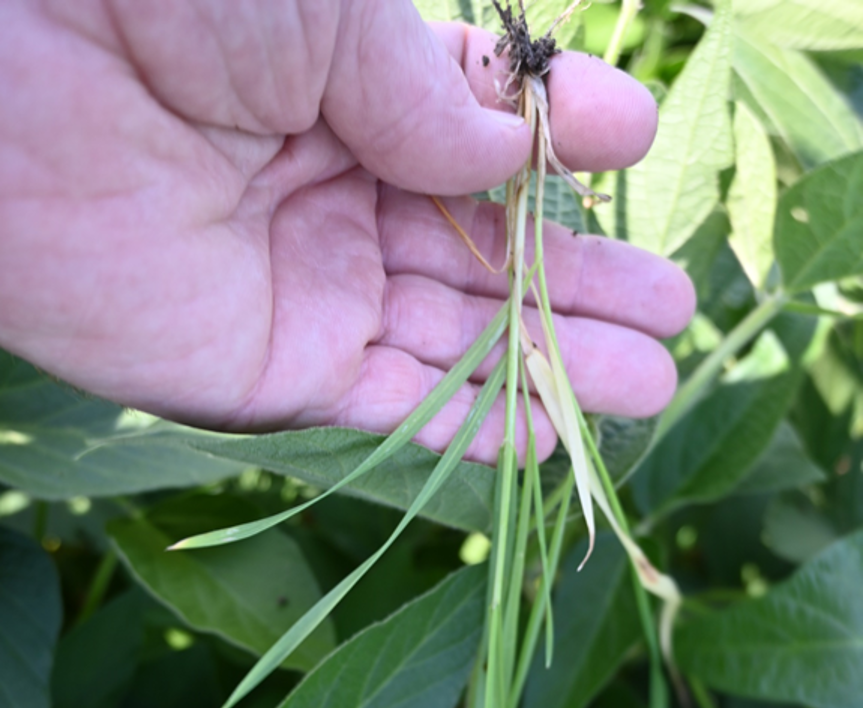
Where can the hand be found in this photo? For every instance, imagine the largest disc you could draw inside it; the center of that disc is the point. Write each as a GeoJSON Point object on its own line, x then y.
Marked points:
{"type": "Point", "coordinates": [214, 212]}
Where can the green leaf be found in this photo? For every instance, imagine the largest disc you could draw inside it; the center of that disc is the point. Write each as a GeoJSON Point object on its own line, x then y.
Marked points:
{"type": "Point", "coordinates": [30, 616]}
{"type": "Point", "coordinates": [623, 442]}
{"type": "Point", "coordinates": [248, 594]}
{"type": "Point", "coordinates": [797, 100]}
{"type": "Point", "coordinates": [324, 456]}
{"type": "Point", "coordinates": [47, 427]}
{"type": "Point", "coordinates": [804, 24]}
{"type": "Point", "coordinates": [419, 657]}
{"type": "Point", "coordinates": [752, 197]}
{"type": "Point", "coordinates": [794, 529]}
{"type": "Point", "coordinates": [289, 641]}
{"type": "Point", "coordinates": [561, 205]}
{"type": "Point", "coordinates": [783, 465]}
{"type": "Point", "coordinates": [801, 642]}
{"type": "Point", "coordinates": [671, 192]}
{"type": "Point", "coordinates": [708, 452]}
{"type": "Point", "coordinates": [818, 231]}
{"type": "Point", "coordinates": [596, 625]}
{"type": "Point", "coordinates": [97, 660]}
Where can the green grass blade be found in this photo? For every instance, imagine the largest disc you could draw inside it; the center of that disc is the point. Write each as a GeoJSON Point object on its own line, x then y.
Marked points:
{"type": "Point", "coordinates": [532, 479]}
{"type": "Point", "coordinates": [401, 436]}
{"type": "Point", "coordinates": [271, 660]}
{"type": "Point", "coordinates": [529, 643]}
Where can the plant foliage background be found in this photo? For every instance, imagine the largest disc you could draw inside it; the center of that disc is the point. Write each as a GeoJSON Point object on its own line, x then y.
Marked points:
{"type": "Point", "coordinates": [748, 490]}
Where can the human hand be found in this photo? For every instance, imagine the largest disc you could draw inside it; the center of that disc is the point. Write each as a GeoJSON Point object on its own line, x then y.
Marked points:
{"type": "Point", "coordinates": [214, 212]}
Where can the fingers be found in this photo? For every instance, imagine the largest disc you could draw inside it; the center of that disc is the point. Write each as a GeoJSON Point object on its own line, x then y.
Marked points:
{"type": "Point", "coordinates": [588, 276]}
{"type": "Point", "coordinates": [392, 383]}
{"type": "Point", "coordinates": [613, 369]}
{"type": "Point", "coordinates": [399, 100]}
{"type": "Point", "coordinates": [602, 119]}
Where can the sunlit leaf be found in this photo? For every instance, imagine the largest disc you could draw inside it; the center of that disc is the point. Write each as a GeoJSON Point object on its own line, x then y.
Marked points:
{"type": "Point", "coordinates": [801, 642]}
{"type": "Point", "coordinates": [802, 106]}
{"type": "Point", "coordinates": [752, 197]}
{"type": "Point", "coordinates": [803, 24]}
{"type": "Point", "coordinates": [671, 192]}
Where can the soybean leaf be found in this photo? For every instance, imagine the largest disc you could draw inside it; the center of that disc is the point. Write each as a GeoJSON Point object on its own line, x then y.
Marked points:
{"type": "Point", "coordinates": [561, 204]}
{"type": "Point", "coordinates": [96, 661]}
{"type": "Point", "coordinates": [671, 192]}
{"type": "Point", "coordinates": [795, 529]}
{"type": "Point", "coordinates": [596, 625]}
{"type": "Point", "coordinates": [248, 594]}
{"type": "Point", "coordinates": [707, 453]}
{"type": "Point", "coordinates": [783, 465]}
{"type": "Point", "coordinates": [804, 24]}
{"type": "Point", "coordinates": [752, 197]}
{"type": "Point", "coordinates": [30, 615]}
{"type": "Point", "coordinates": [322, 609]}
{"type": "Point", "coordinates": [419, 657]}
{"type": "Point", "coordinates": [818, 232]}
{"type": "Point", "coordinates": [802, 106]}
{"type": "Point", "coordinates": [46, 427]}
{"type": "Point", "coordinates": [325, 456]}
{"type": "Point", "coordinates": [801, 642]}
{"type": "Point", "coordinates": [623, 442]}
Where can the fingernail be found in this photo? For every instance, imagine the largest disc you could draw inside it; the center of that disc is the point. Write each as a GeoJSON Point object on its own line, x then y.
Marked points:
{"type": "Point", "coordinates": [511, 120]}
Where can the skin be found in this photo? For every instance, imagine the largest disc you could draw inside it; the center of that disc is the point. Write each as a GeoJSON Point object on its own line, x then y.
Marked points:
{"type": "Point", "coordinates": [216, 212]}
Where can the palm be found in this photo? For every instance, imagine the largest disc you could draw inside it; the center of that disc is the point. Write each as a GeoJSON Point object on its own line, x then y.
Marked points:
{"type": "Point", "coordinates": [243, 280]}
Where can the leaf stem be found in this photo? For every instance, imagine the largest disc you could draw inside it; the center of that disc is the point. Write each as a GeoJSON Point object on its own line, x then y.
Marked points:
{"type": "Point", "coordinates": [692, 389]}
{"type": "Point", "coordinates": [629, 10]}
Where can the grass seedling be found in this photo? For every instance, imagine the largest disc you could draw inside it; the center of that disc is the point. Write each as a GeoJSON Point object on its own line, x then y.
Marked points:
{"type": "Point", "coordinates": [521, 515]}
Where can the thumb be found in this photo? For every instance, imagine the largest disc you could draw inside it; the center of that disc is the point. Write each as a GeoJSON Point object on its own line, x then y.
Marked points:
{"type": "Point", "coordinates": [402, 104]}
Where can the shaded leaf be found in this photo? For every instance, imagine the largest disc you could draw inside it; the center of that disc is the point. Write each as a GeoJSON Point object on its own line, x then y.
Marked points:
{"type": "Point", "coordinates": [795, 529]}
{"type": "Point", "coordinates": [249, 593]}
{"type": "Point", "coordinates": [783, 465]}
{"type": "Point", "coordinates": [30, 616]}
{"type": "Point", "coordinates": [419, 657]}
{"type": "Point", "coordinates": [752, 197]}
{"type": "Point", "coordinates": [97, 660]}
{"type": "Point", "coordinates": [671, 192]}
{"type": "Point", "coordinates": [804, 24]}
{"type": "Point", "coordinates": [803, 107]}
{"type": "Point", "coordinates": [48, 426]}
{"type": "Point", "coordinates": [801, 642]}
{"type": "Point", "coordinates": [323, 456]}
{"type": "Point", "coordinates": [708, 452]}
{"type": "Point", "coordinates": [596, 625]}
{"type": "Point", "coordinates": [819, 224]}
{"type": "Point", "coordinates": [623, 442]}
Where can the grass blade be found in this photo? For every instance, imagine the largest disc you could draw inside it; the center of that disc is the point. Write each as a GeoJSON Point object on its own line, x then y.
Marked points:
{"type": "Point", "coordinates": [306, 624]}
{"type": "Point", "coordinates": [401, 436]}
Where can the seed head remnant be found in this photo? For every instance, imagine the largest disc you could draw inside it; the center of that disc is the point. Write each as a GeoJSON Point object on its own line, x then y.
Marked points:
{"type": "Point", "coordinates": [527, 58]}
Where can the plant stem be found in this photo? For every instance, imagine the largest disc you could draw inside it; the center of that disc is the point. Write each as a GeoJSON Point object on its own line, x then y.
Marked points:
{"type": "Point", "coordinates": [688, 394]}
{"type": "Point", "coordinates": [629, 9]}
{"type": "Point", "coordinates": [535, 619]}
{"type": "Point", "coordinates": [98, 587]}
{"type": "Point", "coordinates": [658, 692]}
{"type": "Point", "coordinates": [497, 678]}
